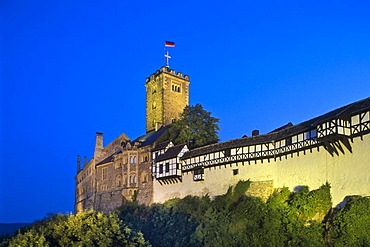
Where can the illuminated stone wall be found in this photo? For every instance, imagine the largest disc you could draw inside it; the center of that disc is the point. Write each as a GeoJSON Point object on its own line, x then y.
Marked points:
{"type": "Point", "coordinates": [348, 174]}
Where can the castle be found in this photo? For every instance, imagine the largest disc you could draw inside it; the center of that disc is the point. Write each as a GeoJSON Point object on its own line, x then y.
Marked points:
{"type": "Point", "coordinates": [333, 148]}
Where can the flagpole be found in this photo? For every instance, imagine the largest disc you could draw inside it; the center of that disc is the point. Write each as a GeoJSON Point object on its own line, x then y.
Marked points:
{"type": "Point", "coordinates": [166, 54]}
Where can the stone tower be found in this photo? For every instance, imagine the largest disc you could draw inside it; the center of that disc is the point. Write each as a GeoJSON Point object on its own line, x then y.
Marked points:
{"type": "Point", "coordinates": [167, 94]}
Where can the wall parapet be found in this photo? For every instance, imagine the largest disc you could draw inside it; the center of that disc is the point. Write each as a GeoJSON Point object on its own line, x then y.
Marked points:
{"type": "Point", "coordinates": [167, 71]}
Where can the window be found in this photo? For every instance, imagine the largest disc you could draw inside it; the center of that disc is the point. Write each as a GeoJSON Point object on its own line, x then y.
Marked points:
{"type": "Point", "coordinates": [227, 152]}
{"type": "Point", "coordinates": [176, 88]}
{"type": "Point", "coordinates": [288, 141]}
{"type": "Point", "coordinates": [167, 167]}
{"type": "Point", "coordinates": [145, 158]}
{"type": "Point", "coordinates": [132, 159]}
{"type": "Point", "coordinates": [105, 173]}
{"type": "Point", "coordinates": [198, 174]}
{"type": "Point", "coordinates": [133, 179]}
{"type": "Point", "coordinates": [235, 172]}
{"type": "Point", "coordinates": [313, 134]}
{"type": "Point", "coordinates": [160, 168]}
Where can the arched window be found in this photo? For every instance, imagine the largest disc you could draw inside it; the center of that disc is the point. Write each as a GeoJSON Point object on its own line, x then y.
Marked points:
{"type": "Point", "coordinates": [133, 179]}
{"type": "Point", "coordinates": [133, 159]}
{"type": "Point", "coordinates": [118, 181]}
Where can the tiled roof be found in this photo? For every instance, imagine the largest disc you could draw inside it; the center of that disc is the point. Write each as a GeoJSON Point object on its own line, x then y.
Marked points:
{"type": "Point", "coordinates": [172, 152]}
{"type": "Point", "coordinates": [150, 137]}
{"type": "Point", "coordinates": [109, 158]}
{"type": "Point", "coordinates": [144, 140]}
{"type": "Point", "coordinates": [285, 131]}
{"type": "Point", "coordinates": [283, 127]}
{"type": "Point", "coordinates": [160, 146]}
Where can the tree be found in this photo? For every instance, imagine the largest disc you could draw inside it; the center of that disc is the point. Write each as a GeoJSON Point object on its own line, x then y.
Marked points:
{"type": "Point", "coordinates": [195, 127]}
{"type": "Point", "coordinates": [83, 229]}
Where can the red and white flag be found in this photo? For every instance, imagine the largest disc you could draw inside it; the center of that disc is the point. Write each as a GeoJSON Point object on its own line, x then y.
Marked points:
{"type": "Point", "coordinates": [169, 44]}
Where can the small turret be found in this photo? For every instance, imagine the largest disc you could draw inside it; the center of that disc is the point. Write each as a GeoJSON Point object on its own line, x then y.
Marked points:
{"type": "Point", "coordinates": [78, 164]}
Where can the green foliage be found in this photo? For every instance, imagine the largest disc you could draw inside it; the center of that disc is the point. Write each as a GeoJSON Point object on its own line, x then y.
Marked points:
{"type": "Point", "coordinates": [31, 238]}
{"type": "Point", "coordinates": [302, 218]}
{"type": "Point", "coordinates": [195, 127]}
{"type": "Point", "coordinates": [234, 219]}
{"type": "Point", "coordinates": [84, 229]}
{"type": "Point", "coordinates": [161, 224]}
{"type": "Point", "coordinates": [351, 224]}
{"type": "Point", "coordinates": [299, 216]}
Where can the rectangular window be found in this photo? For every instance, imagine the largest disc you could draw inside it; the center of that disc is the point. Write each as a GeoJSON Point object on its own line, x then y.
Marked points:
{"type": "Point", "coordinates": [105, 173]}
{"type": "Point", "coordinates": [160, 168]}
{"type": "Point", "coordinates": [198, 174]}
{"type": "Point", "coordinates": [167, 167]}
{"type": "Point", "coordinates": [288, 141]}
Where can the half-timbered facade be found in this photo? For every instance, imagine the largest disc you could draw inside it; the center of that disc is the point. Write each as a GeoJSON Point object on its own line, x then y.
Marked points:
{"type": "Point", "coordinates": [317, 145]}
{"type": "Point", "coordinates": [167, 166]}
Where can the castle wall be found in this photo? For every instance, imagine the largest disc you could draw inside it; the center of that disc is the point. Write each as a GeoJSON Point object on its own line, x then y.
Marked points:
{"type": "Point", "coordinates": [145, 180]}
{"type": "Point", "coordinates": [347, 173]}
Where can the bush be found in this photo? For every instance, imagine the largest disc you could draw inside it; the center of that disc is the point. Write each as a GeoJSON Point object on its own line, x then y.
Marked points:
{"type": "Point", "coordinates": [351, 224]}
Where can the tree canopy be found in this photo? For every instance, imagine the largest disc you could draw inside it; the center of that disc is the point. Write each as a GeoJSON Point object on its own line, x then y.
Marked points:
{"type": "Point", "coordinates": [83, 229]}
{"type": "Point", "coordinates": [195, 127]}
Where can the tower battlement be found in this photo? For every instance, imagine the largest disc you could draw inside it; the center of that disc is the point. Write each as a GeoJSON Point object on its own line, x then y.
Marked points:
{"type": "Point", "coordinates": [167, 71]}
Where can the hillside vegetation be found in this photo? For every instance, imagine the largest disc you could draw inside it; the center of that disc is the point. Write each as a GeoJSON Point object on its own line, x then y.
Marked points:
{"type": "Point", "coordinates": [303, 218]}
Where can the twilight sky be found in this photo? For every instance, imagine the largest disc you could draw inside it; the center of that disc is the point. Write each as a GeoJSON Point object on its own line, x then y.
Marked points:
{"type": "Point", "coordinates": [71, 68]}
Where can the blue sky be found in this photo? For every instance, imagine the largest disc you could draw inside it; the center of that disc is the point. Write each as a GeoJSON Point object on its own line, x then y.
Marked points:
{"type": "Point", "coordinates": [71, 68]}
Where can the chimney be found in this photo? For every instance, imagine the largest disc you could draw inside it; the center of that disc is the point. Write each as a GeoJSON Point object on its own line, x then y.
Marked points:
{"type": "Point", "coordinates": [78, 164]}
{"type": "Point", "coordinates": [98, 144]}
{"type": "Point", "coordinates": [85, 161]}
{"type": "Point", "coordinates": [255, 132]}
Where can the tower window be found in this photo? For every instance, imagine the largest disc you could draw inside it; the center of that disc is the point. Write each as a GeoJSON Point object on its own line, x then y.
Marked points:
{"type": "Point", "coordinates": [176, 88]}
